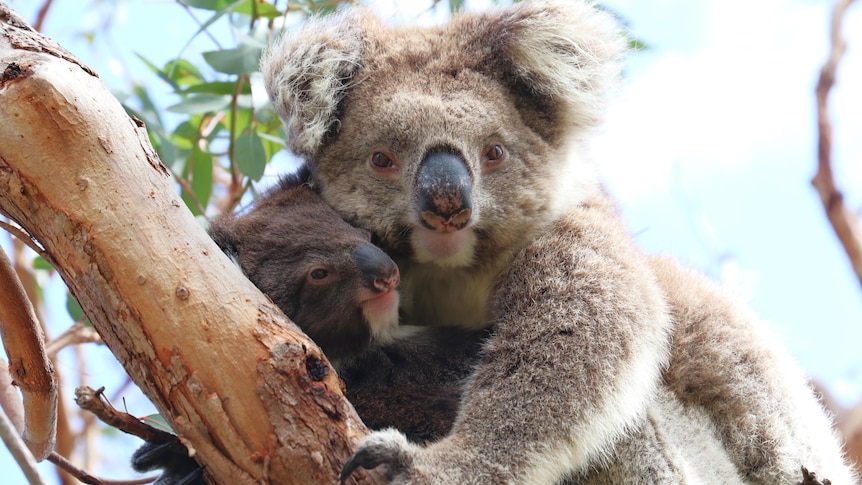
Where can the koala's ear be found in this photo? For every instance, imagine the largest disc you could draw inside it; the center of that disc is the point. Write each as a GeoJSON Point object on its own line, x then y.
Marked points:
{"type": "Point", "coordinates": [308, 72]}
{"type": "Point", "coordinates": [566, 53]}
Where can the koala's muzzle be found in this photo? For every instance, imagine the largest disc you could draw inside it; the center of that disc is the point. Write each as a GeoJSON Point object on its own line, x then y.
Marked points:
{"type": "Point", "coordinates": [379, 273]}
{"type": "Point", "coordinates": [444, 187]}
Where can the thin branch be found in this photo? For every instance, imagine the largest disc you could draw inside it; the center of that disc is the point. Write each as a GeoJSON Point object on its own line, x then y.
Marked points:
{"type": "Point", "coordinates": [844, 221]}
{"type": "Point", "coordinates": [28, 362]}
{"type": "Point", "coordinates": [10, 400]}
{"type": "Point", "coordinates": [94, 401]}
{"type": "Point", "coordinates": [85, 477]}
{"type": "Point", "coordinates": [28, 240]}
{"type": "Point", "coordinates": [79, 333]}
{"type": "Point", "coordinates": [43, 12]}
{"type": "Point", "coordinates": [12, 440]}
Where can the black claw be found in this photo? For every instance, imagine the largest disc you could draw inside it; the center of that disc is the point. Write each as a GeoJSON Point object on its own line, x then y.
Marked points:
{"type": "Point", "coordinates": [192, 478]}
{"type": "Point", "coordinates": [362, 458]}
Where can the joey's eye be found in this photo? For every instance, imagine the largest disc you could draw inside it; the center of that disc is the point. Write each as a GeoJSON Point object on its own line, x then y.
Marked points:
{"type": "Point", "coordinates": [381, 161]}
{"type": "Point", "coordinates": [493, 156]}
{"type": "Point", "coordinates": [318, 275]}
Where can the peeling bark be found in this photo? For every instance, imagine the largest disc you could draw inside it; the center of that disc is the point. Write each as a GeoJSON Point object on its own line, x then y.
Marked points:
{"type": "Point", "coordinates": [214, 355]}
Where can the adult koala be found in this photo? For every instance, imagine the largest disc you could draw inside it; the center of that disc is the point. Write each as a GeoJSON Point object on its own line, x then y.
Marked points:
{"type": "Point", "coordinates": [461, 147]}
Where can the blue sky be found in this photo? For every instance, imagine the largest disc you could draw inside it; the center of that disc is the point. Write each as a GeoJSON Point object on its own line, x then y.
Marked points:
{"type": "Point", "coordinates": [709, 150]}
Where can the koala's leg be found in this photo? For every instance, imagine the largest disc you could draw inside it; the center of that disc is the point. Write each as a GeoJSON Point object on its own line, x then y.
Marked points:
{"type": "Point", "coordinates": [581, 337]}
{"type": "Point", "coordinates": [726, 361]}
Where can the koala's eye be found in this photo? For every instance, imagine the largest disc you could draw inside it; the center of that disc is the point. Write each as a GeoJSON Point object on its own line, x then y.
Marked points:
{"type": "Point", "coordinates": [318, 275]}
{"type": "Point", "coordinates": [383, 161]}
{"type": "Point", "coordinates": [493, 156]}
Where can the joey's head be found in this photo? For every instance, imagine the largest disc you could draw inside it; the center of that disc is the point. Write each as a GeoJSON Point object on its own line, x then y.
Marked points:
{"type": "Point", "coordinates": [451, 143]}
{"type": "Point", "coordinates": [322, 272]}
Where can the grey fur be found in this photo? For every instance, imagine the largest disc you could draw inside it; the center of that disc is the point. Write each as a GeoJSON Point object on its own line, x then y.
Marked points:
{"type": "Point", "coordinates": [593, 341]}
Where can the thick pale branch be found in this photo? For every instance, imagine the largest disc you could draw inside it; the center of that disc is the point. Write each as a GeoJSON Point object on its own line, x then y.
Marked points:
{"type": "Point", "coordinates": [843, 220]}
{"type": "Point", "coordinates": [28, 363]}
{"type": "Point", "coordinates": [239, 381]}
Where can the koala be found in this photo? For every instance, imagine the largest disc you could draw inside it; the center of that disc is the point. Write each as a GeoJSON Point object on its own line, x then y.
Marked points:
{"type": "Point", "coordinates": [463, 148]}
{"type": "Point", "coordinates": [341, 290]}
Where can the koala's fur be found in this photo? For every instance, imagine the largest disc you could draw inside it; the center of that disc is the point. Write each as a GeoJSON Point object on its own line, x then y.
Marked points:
{"type": "Point", "coordinates": [395, 376]}
{"type": "Point", "coordinates": [591, 339]}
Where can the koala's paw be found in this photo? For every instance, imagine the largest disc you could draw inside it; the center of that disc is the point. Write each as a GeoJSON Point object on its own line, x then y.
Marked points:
{"type": "Point", "coordinates": [388, 447]}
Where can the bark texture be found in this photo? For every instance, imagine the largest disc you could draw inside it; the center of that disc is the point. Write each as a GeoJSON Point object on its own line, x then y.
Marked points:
{"type": "Point", "coordinates": [255, 398]}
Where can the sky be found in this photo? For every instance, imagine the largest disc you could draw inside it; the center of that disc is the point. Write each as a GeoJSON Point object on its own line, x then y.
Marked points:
{"type": "Point", "coordinates": [709, 150]}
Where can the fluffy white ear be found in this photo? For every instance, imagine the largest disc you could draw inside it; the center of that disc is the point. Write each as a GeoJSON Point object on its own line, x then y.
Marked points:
{"type": "Point", "coordinates": [567, 52]}
{"type": "Point", "coordinates": [308, 71]}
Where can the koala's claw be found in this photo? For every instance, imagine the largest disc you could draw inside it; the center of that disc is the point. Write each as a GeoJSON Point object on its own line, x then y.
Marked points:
{"type": "Point", "coordinates": [364, 458]}
{"type": "Point", "coordinates": [388, 447]}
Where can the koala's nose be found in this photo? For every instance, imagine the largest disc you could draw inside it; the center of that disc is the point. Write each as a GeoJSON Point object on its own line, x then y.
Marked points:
{"type": "Point", "coordinates": [444, 188]}
{"type": "Point", "coordinates": [379, 272]}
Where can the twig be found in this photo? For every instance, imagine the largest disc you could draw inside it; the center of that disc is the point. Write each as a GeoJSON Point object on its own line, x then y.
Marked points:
{"type": "Point", "coordinates": [79, 333]}
{"type": "Point", "coordinates": [10, 401]}
{"type": "Point", "coordinates": [94, 401]}
{"type": "Point", "coordinates": [40, 17]}
{"type": "Point", "coordinates": [28, 240]}
{"type": "Point", "coordinates": [85, 477]}
{"type": "Point", "coordinates": [19, 450]}
{"type": "Point", "coordinates": [28, 362]}
{"type": "Point", "coordinates": [844, 222]}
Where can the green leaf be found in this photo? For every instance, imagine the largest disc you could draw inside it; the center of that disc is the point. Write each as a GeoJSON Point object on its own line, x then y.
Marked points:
{"type": "Point", "coordinates": [249, 155]}
{"type": "Point", "coordinates": [148, 107]}
{"type": "Point", "coordinates": [183, 72]}
{"type": "Point", "coordinates": [158, 72]}
{"type": "Point", "coordinates": [41, 263]}
{"type": "Point", "coordinates": [637, 45]}
{"type": "Point", "coordinates": [206, 4]}
{"type": "Point", "coordinates": [244, 59]}
{"type": "Point", "coordinates": [185, 135]}
{"type": "Point", "coordinates": [199, 172]}
{"type": "Point", "coordinates": [266, 10]}
{"type": "Point", "coordinates": [159, 422]}
{"type": "Point", "coordinates": [216, 88]}
{"type": "Point", "coordinates": [201, 103]}
{"type": "Point", "coordinates": [74, 309]}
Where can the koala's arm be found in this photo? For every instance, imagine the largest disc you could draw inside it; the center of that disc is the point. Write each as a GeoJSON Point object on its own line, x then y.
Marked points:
{"type": "Point", "coordinates": [727, 361]}
{"type": "Point", "coordinates": [581, 337]}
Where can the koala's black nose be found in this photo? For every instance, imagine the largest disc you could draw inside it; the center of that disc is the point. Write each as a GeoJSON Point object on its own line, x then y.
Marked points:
{"type": "Point", "coordinates": [379, 273]}
{"type": "Point", "coordinates": [444, 188]}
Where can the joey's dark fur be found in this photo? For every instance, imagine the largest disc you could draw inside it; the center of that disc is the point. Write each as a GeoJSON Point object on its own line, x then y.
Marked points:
{"type": "Point", "coordinates": [317, 268]}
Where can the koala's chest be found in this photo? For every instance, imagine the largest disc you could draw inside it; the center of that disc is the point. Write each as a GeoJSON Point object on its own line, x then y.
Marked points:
{"type": "Point", "coordinates": [446, 297]}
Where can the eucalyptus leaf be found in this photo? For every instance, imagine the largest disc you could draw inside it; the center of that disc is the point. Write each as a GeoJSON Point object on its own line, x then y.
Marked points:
{"type": "Point", "coordinates": [249, 155]}
{"type": "Point", "coordinates": [244, 59]}
{"type": "Point", "coordinates": [201, 103]}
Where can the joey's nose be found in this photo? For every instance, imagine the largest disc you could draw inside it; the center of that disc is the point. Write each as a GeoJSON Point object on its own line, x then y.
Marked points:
{"type": "Point", "coordinates": [444, 188]}
{"type": "Point", "coordinates": [378, 271]}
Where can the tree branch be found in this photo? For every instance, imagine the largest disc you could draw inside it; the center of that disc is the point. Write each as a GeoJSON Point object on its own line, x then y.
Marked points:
{"type": "Point", "coordinates": [235, 377]}
{"type": "Point", "coordinates": [12, 439]}
{"type": "Point", "coordinates": [94, 401]}
{"type": "Point", "coordinates": [844, 221]}
{"type": "Point", "coordinates": [85, 477]}
{"type": "Point", "coordinates": [28, 363]}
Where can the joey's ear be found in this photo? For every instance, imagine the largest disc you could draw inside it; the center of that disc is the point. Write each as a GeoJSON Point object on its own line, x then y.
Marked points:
{"type": "Point", "coordinates": [308, 71]}
{"type": "Point", "coordinates": [567, 53]}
